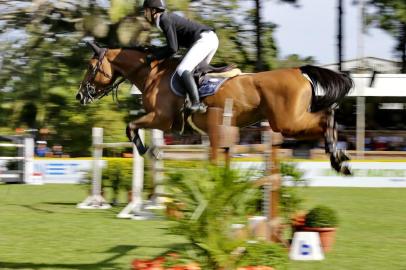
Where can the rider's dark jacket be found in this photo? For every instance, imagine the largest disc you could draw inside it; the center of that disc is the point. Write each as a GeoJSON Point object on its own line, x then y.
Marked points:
{"type": "Point", "coordinates": [179, 32]}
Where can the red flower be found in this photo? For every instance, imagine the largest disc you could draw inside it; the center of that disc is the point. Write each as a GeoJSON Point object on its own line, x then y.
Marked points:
{"type": "Point", "coordinates": [154, 264]}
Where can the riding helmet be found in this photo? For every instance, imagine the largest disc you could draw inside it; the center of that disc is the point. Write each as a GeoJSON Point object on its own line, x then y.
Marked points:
{"type": "Point", "coordinates": [158, 4]}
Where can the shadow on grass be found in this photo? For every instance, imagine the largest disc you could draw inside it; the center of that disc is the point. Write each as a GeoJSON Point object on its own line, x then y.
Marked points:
{"type": "Point", "coordinates": [61, 203]}
{"type": "Point", "coordinates": [32, 207]}
{"type": "Point", "coordinates": [108, 263]}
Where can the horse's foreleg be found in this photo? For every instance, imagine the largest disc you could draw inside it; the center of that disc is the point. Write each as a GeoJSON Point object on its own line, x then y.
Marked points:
{"type": "Point", "coordinates": [132, 135]}
{"type": "Point", "coordinates": [149, 120]}
{"type": "Point", "coordinates": [337, 156]}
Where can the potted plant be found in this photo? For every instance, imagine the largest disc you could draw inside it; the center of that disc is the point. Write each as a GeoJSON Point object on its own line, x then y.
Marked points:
{"type": "Point", "coordinates": [211, 203]}
{"type": "Point", "coordinates": [324, 220]}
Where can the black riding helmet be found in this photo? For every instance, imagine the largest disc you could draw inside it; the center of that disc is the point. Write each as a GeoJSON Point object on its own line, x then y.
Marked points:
{"type": "Point", "coordinates": [157, 4]}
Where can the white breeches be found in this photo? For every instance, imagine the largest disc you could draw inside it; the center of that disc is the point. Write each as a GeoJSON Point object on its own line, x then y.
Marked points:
{"type": "Point", "coordinates": [201, 53]}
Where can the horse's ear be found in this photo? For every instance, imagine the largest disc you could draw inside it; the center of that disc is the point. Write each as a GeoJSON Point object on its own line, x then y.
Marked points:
{"type": "Point", "coordinates": [97, 50]}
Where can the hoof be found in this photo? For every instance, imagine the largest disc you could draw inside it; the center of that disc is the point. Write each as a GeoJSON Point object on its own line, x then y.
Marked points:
{"type": "Point", "coordinates": [342, 156]}
{"type": "Point", "coordinates": [346, 171]}
{"type": "Point", "coordinates": [337, 160]}
{"type": "Point", "coordinates": [155, 153]}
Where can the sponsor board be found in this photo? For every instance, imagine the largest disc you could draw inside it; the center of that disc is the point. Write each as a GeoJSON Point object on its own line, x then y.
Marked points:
{"type": "Point", "coordinates": [365, 174]}
{"type": "Point", "coordinates": [320, 174]}
{"type": "Point", "coordinates": [63, 171]}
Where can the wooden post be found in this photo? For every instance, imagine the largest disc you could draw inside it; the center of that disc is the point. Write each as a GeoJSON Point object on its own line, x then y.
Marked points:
{"type": "Point", "coordinates": [222, 134]}
{"type": "Point", "coordinates": [272, 187]}
{"type": "Point", "coordinates": [227, 117]}
{"type": "Point", "coordinates": [214, 118]}
{"type": "Point", "coordinates": [275, 170]}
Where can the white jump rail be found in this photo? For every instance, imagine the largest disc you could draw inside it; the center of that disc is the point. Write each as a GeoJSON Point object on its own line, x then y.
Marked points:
{"type": "Point", "coordinates": [26, 160]}
{"type": "Point", "coordinates": [96, 200]}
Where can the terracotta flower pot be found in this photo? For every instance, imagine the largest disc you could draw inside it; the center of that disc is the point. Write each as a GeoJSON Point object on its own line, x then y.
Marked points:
{"type": "Point", "coordinates": [327, 236]}
{"type": "Point", "coordinates": [298, 222]}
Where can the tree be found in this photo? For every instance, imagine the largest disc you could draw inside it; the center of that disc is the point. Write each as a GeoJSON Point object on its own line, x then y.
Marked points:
{"type": "Point", "coordinates": [295, 60]}
{"type": "Point", "coordinates": [43, 60]}
{"type": "Point", "coordinates": [244, 36]}
{"type": "Point", "coordinates": [340, 34]}
{"type": "Point", "coordinates": [390, 15]}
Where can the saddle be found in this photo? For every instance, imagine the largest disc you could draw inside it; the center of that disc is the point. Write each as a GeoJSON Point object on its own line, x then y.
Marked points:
{"type": "Point", "coordinates": [208, 80]}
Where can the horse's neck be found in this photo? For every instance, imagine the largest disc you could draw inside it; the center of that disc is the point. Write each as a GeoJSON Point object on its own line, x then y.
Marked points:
{"type": "Point", "coordinates": [130, 64]}
{"type": "Point", "coordinates": [159, 76]}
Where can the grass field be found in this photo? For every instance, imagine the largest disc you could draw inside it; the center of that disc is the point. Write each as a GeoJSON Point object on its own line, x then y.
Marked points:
{"type": "Point", "coordinates": [40, 228]}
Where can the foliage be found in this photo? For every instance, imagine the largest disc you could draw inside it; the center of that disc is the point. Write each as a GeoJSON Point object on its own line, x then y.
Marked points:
{"type": "Point", "coordinates": [118, 174]}
{"type": "Point", "coordinates": [42, 62]}
{"type": "Point", "coordinates": [235, 25]}
{"type": "Point", "coordinates": [264, 254]}
{"type": "Point", "coordinates": [211, 202]}
{"type": "Point", "coordinates": [290, 170]}
{"type": "Point", "coordinates": [290, 199]}
{"type": "Point", "coordinates": [390, 15]}
{"type": "Point", "coordinates": [295, 60]}
{"type": "Point", "coordinates": [322, 217]}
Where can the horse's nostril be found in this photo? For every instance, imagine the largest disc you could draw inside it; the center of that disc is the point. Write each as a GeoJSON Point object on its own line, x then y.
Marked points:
{"type": "Point", "coordinates": [79, 96]}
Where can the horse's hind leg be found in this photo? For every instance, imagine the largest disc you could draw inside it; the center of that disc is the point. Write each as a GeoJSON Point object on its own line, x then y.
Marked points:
{"type": "Point", "coordinates": [337, 156]}
{"type": "Point", "coordinates": [316, 125]}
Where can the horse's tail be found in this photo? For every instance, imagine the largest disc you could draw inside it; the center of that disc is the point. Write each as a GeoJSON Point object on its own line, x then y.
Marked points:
{"type": "Point", "coordinates": [335, 86]}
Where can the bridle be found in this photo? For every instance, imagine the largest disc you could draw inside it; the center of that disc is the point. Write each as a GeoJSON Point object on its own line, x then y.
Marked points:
{"type": "Point", "coordinates": [91, 91]}
{"type": "Point", "coordinates": [90, 87]}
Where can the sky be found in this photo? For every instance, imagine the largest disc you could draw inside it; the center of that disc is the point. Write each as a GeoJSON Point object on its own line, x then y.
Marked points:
{"type": "Point", "coordinates": [311, 30]}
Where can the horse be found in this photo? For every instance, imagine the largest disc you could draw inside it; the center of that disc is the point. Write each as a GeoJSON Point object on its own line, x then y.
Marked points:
{"type": "Point", "coordinates": [286, 98]}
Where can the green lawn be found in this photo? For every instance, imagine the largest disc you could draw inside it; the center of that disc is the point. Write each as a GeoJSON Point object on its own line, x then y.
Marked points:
{"type": "Point", "coordinates": [372, 230]}
{"type": "Point", "coordinates": [40, 228]}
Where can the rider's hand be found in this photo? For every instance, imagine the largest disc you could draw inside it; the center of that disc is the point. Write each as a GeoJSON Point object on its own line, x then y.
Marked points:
{"type": "Point", "coordinates": [149, 59]}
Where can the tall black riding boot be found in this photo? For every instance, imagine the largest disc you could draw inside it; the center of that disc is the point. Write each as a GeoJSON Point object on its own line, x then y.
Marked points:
{"type": "Point", "coordinates": [193, 93]}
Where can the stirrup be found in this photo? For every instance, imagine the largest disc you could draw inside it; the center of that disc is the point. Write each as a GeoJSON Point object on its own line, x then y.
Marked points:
{"type": "Point", "coordinates": [198, 108]}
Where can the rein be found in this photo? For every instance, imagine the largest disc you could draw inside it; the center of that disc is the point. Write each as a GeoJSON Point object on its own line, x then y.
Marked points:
{"type": "Point", "coordinates": [106, 90]}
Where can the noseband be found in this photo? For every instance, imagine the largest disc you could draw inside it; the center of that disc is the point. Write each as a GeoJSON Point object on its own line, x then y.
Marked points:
{"type": "Point", "coordinates": [91, 88]}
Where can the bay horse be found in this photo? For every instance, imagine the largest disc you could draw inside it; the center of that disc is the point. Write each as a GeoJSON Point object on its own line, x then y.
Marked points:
{"type": "Point", "coordinates": [284, 97]}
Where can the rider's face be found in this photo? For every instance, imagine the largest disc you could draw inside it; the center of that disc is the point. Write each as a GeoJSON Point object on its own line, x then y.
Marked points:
{"type": "Point", "coordinates": [148, 15]}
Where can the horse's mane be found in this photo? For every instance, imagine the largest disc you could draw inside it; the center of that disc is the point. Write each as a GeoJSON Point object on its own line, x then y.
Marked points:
{"type": "Point", "coordinates": [136, 47]}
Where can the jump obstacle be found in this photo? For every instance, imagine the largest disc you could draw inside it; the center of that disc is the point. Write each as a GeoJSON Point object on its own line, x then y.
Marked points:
{"type": "Point", "coordinates": [96, 199]}
{"type": "Point", "coordinates": [25, 160]}
{"type": "Point", "coordinates": [223, 137]}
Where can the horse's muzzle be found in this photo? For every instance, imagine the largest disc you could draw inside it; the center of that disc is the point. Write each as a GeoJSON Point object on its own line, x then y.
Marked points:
{"type": "Point", "coordinates": [79, 96]}
{"type": "Point", "coordinates": [84, 98]}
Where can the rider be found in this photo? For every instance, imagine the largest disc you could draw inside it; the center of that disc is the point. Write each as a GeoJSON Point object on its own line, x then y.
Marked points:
{"type": "Point", "coordinates": [201, 41]}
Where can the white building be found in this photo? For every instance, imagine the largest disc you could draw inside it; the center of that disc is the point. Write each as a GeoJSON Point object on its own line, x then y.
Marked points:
{"type": "Point", "coordinates": [368, 64]}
